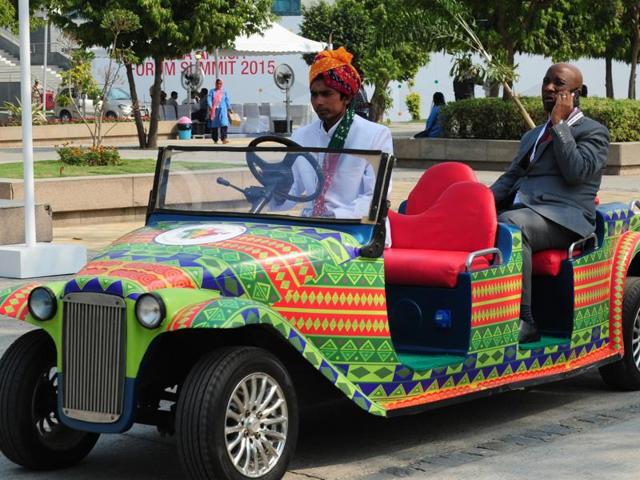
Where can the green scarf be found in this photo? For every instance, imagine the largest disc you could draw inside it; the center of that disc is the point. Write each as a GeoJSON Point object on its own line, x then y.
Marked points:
{"type": "Point", "coordinates": [340, 135]}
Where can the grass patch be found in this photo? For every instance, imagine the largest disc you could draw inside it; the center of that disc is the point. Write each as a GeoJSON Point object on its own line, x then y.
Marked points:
{"type": "Point", "coordinates": [57, 169]}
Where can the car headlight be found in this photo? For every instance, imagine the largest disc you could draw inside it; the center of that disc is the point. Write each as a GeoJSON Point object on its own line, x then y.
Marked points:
{"type": "Point", "coordinates": [150, 310]}
{"type": "Point", "coordinates": [42, 303]}
{"type": "Point", "coordinates": [125, 107]}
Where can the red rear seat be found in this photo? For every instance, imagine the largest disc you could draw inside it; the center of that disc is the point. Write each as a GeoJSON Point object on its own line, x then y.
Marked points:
{"type": "Point", "coordinates": [547, 262]}
{"type": "Point", "coordinates": [433, 182]}
{"type": "Point", "coordinates": [431, 248]}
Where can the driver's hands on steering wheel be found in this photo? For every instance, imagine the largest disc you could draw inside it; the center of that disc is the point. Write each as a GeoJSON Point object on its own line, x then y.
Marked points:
{"type": "Point", "coordinates": [278, 177]}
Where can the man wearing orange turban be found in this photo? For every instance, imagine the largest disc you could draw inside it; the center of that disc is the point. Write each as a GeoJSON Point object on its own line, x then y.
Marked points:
{"type": "Point", "coordinates": [349, 180]}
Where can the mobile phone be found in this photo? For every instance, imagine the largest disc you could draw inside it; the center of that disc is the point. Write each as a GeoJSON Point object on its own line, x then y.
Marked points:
{"type": "Point", "coordinates": [576, 97]}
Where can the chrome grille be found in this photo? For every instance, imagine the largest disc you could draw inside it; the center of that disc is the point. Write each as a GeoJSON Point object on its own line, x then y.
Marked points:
{"type": "Point", "coordinates": [93, 360]}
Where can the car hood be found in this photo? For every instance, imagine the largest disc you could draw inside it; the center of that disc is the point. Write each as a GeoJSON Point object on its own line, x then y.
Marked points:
{"type": "Point", "coordinates": [258, 261]}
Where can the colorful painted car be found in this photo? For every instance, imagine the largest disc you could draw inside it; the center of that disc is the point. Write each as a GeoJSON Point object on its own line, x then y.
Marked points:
{"type": "Point", "coordinates": [244, 288]}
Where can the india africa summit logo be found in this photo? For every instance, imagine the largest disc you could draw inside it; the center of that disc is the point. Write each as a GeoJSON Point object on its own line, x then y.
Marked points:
{"type": "Point", "coordinates": [200, 234]}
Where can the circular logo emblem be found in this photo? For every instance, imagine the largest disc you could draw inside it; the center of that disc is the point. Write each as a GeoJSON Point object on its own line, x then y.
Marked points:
{"type": "Point", "coordinates": [200, 234]}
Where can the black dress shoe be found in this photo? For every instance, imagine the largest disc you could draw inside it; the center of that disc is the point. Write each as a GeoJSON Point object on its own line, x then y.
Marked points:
{"type": "Point", "coordinates": [528, 332]}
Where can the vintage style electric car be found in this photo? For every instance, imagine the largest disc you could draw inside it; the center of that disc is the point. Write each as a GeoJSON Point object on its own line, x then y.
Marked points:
{"type": "Point", "coordinates": [250, 281]}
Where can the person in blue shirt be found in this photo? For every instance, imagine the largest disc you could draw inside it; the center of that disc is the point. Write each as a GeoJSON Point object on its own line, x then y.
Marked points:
{"type": "Point", "coordinates": [219, 110]}
{"type": "Point", "coordinates": [433, 128]}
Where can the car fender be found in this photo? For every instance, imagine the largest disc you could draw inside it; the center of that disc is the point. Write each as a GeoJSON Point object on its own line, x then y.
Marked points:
{"type": "Point", "coordinates": [627, 249]}
{"type": "Point", "coordinates": [14, 300]}
{"type": "Point", "coordinates": [234, 312]}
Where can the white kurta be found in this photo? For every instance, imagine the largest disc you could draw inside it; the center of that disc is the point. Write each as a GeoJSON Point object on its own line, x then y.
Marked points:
{"type": "Point", "coordinates": [351, 190]}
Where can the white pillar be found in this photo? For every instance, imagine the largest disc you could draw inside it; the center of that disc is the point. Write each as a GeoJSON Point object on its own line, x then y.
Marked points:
{"type": "Point", "coordinates": [44, 68]}
{"type": "Point", "coordinates": [27, 132]}
{"type": "Point", "coordinates": [33, 259]}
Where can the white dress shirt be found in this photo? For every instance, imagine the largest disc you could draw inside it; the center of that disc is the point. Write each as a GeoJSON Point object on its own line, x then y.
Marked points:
{"type": "Point", "coordinates": [351, 190]}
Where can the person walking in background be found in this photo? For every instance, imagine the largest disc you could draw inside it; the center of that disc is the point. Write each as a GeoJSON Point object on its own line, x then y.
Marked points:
{"type": "Point", "coordinates": [36, 93]}
{"type": "Point", "coordinates": [361, 104]}
{"type": "Point", "coordinates": [219, 110]}
{"type": "Point", "coordinates": [173, 101]}
{"type": "Point", "coordinates": [201, 113]}
{"type": "Point", "coordinates": [433, 128]}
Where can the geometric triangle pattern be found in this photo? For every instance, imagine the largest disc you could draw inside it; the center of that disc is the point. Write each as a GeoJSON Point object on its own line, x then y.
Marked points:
{"type": "Point", "coordinates": [224, 313]}
{"type": "Point", "coordinates": [315, 290]}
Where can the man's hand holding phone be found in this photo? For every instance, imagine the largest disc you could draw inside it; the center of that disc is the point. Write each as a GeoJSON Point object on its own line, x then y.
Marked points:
{"type": "Point", "coordinates": [565, 103]}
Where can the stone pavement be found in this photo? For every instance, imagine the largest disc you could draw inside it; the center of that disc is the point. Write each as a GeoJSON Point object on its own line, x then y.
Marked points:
{"type": "Point", "coordinates": [132, 151]}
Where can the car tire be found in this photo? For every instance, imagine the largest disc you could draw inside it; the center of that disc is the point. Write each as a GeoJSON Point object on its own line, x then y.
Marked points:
{"type": "Point", "coordinates": [65, 116]}
{"type": "Point", "coordinates": [111, 116]}
{"type": "Point", "coordinates": [215, 420]}
{"type": "Point", "coordinates": [30, 433]}
{"type": "Point", "coordinates": [625, 373]}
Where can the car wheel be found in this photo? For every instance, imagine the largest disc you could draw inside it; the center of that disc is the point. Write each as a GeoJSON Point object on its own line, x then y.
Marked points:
{"type": "Point", "coordinates": [237, 416]}
{"type": "Point", "coordinates": [112, 116]}
{"type": "Point", "coordinates": [65, 116]}
{"type": "Point", "coordinates": [31, 434]}
{"type": "Point", "coordinates": [625, 373]}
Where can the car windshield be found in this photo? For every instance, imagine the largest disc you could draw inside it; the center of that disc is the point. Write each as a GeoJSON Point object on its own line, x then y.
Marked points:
{"type": "Point", "coordinates": [118, 94]}
{"type": "Point", "coordinates": [316, 183]}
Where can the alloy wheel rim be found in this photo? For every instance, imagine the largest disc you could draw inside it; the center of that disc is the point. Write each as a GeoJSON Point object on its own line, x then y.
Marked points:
{"type": "Point", "coordinates": [635, 340]}
{"type": "Point", "coordinates": [44, 414]}
{"type": "Point", "coordinates": [256, 425]}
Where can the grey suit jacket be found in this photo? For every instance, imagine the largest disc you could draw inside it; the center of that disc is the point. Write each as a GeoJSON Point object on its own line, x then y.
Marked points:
{"type": "Point", "coordinates": [562, 181]}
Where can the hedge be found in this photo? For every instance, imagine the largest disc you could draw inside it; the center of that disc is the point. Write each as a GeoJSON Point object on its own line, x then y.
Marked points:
{"type": "Point", "coordinates": [494, 118]}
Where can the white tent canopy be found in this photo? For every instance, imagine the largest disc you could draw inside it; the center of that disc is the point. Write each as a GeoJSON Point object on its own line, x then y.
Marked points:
{"type": "Point", "coordinates": [276, 40]}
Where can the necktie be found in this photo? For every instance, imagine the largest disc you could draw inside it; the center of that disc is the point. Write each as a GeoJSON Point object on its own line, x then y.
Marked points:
{"type": "Point", "coordinates": [328, 170]}
{"type": "Point", "coordinates": [546, 136]}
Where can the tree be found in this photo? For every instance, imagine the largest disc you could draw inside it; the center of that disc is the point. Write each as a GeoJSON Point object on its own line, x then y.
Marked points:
{"type": "Point", "coordinates": [506, 27]}
{"type": "Point", "coordinates": [456, 29]}
{"type": "Point", "coordinates": [80, 78]}
{"type": "Point", "coordinates": [586, 28]}
{"type": "Point", "coordinates": [385, 47]}
{"type": "Point", "coordinates": [168, 30]}
{"type": "Point", "coordinates": [8, 13]}
{"type": "Point", "coordinates": [633, 16]}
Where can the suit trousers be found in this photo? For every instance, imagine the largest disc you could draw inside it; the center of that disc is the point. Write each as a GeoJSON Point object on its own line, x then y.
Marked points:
{"type": "Point", "coordinates": [538, 233]}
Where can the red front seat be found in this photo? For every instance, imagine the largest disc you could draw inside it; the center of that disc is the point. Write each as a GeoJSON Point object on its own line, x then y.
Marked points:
{"type": "Point", "coordinates": [434, 182]}
{"type": "Point", "coordinates": [430, 248]}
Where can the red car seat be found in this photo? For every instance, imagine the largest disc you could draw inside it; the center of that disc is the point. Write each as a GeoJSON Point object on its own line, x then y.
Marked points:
{"type": "Point", "coordinates": [548, 262]}
{"type": "Point", "coordinates": [430, 248]}
{"type": "Point", "coordinates": [433, 182]}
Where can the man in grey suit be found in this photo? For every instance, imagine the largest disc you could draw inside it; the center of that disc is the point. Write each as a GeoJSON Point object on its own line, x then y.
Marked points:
{"type": "Point", "coordinates": [550, 187]}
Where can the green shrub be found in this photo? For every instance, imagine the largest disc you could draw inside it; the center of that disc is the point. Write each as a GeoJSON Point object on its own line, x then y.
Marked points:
{"type": "Point", "coordinates": [412, 101]}
{"type": "Point", "coordinates": [92, 156]}
{"type": "Point", "coordinates": [494, 118]}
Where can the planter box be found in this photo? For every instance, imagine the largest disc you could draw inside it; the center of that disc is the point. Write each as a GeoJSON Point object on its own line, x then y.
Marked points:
{"type": "Point", "coordinates": [12, 223]}
{"type": "Point", "coordinates": [78, 133]}
{"type": "Point", "coordinates": [624, 158]}
{"type": "Point", "coordinates": [110, 198]}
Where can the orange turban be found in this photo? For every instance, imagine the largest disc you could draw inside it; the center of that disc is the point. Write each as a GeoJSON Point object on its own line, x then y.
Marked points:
{"type": "Point", "coordinates": [336, 70]}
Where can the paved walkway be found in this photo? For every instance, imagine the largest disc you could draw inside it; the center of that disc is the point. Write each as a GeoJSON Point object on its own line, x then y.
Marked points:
{"type": "Point", "coordinates": [131, 150]}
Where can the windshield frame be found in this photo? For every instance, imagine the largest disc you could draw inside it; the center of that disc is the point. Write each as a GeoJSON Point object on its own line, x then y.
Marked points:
{"type": "Point", "coordinates": [162, 172]}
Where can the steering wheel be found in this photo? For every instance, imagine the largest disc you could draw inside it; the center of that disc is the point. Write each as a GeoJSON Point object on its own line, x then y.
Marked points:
{"type": "Point", "coordinates": [279, 176]}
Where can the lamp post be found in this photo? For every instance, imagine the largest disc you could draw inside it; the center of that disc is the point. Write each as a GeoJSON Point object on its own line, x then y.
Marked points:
{"type": "Point", "coordinates": [44, 66]}
{"type": "Point", "coordinates": [27, 131]}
